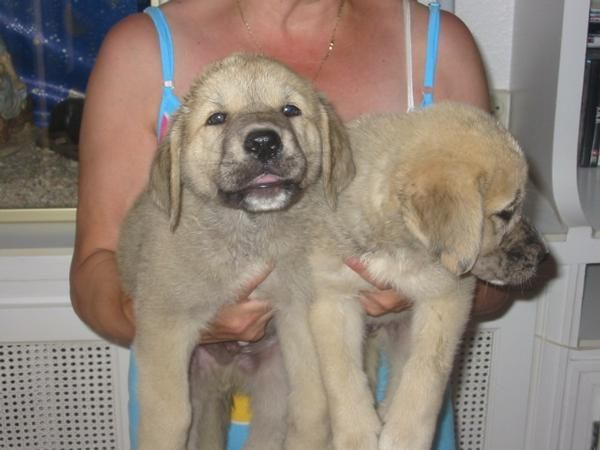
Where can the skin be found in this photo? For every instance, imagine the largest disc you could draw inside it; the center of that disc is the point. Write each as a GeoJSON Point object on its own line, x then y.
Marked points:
{"type": "Point", "coordinates": [365, 73]}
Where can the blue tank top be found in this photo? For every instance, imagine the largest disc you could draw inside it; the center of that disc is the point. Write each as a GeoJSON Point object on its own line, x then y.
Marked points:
{"type": "Point", "coordinates": [170, 102]}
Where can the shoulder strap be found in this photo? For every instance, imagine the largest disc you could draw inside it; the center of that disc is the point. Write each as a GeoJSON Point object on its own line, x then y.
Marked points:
{"type": "Point", "coordinates": [410, 97]}
{"type": "Point", "coordinates": [169, 101]}
{"type": "Point", "coordinates": [166, 44]}
{"type": "Point", "coordinates": [433, 37]}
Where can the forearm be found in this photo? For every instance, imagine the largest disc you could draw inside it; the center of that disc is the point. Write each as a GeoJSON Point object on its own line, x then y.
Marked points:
{"type": "Point", "coordinates": [490, 300]}
{"type": "Point", "coordinates": [98, 299]}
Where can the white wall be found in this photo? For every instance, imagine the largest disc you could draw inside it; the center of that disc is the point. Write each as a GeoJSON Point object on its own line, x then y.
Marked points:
{"type": "Point", "coordinates": [491, 23]}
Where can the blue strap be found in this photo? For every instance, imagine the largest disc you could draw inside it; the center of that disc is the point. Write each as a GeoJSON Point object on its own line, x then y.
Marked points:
{"type": "Point", "coordinates": [433, 38]}
{"type": "Point", "coordinates": [169, 102]}
{"type": "Point", "coordinates": [165, 41]}
{"type": "Point", "coordinates": [133, 405]}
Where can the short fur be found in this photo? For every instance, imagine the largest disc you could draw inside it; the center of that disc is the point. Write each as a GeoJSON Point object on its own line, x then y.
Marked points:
{"type": "Point", "coordinates": [222, 205]}
{"type": "Point", "coordinates": [437, 195]}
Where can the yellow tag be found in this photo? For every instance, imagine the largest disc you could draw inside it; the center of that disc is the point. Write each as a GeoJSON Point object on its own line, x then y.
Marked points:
{"type": "Point", "coordinates": [241, 411]}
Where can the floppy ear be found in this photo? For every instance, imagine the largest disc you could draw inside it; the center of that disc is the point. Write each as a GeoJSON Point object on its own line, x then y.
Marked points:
{"type": "Point", "coordinates": [338, 166]}
{"type": "Point", "coordinates": [165, 177]}
{"type": "Point", "coordinates": [446, 215]}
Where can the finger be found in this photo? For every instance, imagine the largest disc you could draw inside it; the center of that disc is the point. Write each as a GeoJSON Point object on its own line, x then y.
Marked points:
{"type": "Point", "coordinates": [244, 321]}
{"type": "Point", "coordinates": [383, 302]}
{"type": "Point", "coordinates": [258, 329]}
{"type": "Point", "coordinates": [250, 285]}
{"type": "Point", "coordinates": [357, 266]}
{"type": "Point", "coordinates": [250, 306]}
{"type": "Point", "coordinates": [391, 300]}
{"type": "Point", "coordinates": [370, 305]}
{"type": "Point", "coordinates": [253, 330]}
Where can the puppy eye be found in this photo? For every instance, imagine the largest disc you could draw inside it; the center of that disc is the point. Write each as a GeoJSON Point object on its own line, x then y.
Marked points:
{"type": "Point", "coordinates": [291, 110]}
{"type": "Point", "coordinates": [505, 215]}
{"type": "Point", "coordinates": [216, 119]}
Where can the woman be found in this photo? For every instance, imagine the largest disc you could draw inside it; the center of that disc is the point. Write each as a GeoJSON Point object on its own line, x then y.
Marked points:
{"type": "Point", "coordinates": [366, 56]}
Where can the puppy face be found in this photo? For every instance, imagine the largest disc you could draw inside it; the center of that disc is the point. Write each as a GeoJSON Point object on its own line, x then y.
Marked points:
{"type": "Point", "coordinates": [253, 135]}
{"type": "Point", "coordinates": [465, 196]}
{"type": "Point", "coordinates": [511, 248]}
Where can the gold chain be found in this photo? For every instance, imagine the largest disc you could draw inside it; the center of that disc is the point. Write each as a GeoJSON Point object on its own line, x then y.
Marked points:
{"type": "Point", "coordinates": [330, 45]}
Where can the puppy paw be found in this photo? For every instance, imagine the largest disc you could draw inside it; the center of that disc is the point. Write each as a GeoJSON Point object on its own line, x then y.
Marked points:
{"type": "Point", "coordinates": [304, 443]}
{"type": "Point", "coordinates": [356, 441]}
{"type": "Point", "coordinates": [402, 438]}
{"type": "Point", "coordinates": [360, 434]}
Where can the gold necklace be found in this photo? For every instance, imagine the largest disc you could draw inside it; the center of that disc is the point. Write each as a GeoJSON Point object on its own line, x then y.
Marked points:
{"type": "Point", "coordinates": [330, 45]}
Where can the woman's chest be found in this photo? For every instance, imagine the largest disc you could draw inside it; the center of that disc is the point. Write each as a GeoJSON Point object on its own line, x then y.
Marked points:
{"type": "Point", "coordinates": [365, 72]}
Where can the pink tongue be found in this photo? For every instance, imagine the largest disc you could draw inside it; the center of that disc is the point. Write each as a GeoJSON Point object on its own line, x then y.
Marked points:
{"type": "Point", "coordinates": [265, 179]}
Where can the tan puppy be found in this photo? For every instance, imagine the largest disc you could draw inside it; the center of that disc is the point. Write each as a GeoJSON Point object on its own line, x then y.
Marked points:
{"type": "Point", "coordinates": [231, 191]}
{"type": "Point", "coordinates": [437, 194]}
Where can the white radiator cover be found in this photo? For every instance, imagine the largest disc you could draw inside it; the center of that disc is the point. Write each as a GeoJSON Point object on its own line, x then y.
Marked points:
{"type": "Point", "coordinates": [471, 384]}
{"type": "Point", "coordinates": [63, 395]}
{"type": "Point", "coordinates": [57, 396]}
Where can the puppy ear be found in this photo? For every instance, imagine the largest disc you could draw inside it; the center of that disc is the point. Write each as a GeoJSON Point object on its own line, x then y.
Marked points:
{"type": "Point", "coordinates": [165, 177]}
{"type": "Point", "coordinates": [338, 166]}
{"type": "Point", "coordinates": [446, 215]}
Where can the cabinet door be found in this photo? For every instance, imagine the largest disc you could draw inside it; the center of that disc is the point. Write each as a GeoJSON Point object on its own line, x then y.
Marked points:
{"type": "Point", "coordinates": [491, 381]}
{"type": "Point", "coordinates": [582, 401]}
{"type": "Point", "coordinates": [61, 386]}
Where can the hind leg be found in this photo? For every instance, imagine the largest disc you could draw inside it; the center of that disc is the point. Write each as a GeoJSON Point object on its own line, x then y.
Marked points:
{"type": "Point", "coordinates": [269, 391]}
{"type": "Point", "coordinates": [210, 395]}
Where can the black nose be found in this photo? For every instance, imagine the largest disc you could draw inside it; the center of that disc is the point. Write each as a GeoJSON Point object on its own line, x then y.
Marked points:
{"type": "Point", "coordinates": [263, 144]}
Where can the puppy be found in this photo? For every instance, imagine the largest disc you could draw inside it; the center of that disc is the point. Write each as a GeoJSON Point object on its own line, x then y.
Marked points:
{"type": "Point", "coordinates": [231, 192]}
{"type": "Point", "coordinates": [437, 196]}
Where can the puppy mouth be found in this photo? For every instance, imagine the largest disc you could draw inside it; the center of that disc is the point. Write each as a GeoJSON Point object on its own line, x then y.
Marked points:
{"type": "Point", "coordinates": [264, 183]}
{"type": "Point", "coordinates": [266, 192]}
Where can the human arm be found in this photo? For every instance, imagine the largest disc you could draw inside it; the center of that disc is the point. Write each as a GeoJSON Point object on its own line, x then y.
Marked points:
{"type": "Point", "coordinates": [115, 151]}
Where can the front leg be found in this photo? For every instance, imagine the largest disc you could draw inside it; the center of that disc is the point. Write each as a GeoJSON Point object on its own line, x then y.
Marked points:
{"type": "Point", "coordinates": [412, 411]}
{"type": "Point", "coordinates": [338, 328]}
{"type": "Point", "coordinates": [308, 427]}
{"type": "Point", "coordinates": [163, 350]}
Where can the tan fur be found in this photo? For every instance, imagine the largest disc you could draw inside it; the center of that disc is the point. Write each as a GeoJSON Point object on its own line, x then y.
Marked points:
{"type": "Point", "coordinates": [190, 243]}
{"type": "Point", "coordinates": [423, 210]}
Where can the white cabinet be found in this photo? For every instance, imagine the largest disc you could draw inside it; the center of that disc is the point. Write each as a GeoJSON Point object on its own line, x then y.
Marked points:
{"type": "Point", "coordinates": [61, 386]}
{"type": "Point", "coordinates": [549, 45]}
{"type": "Point", "coordinates": [547, 82]}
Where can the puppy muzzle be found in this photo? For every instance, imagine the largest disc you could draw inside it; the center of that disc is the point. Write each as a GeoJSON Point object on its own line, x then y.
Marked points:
{"type": "Point", "coordinates": [515, 261]}
{"type": "Point", "coordinates": [263, 166]}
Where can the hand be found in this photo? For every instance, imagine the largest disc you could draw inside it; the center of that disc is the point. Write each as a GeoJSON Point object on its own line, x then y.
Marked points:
{"type": "Point", "coordinates": [383, 299]}
{"type": "Point", "coordinates": [244, 320]}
